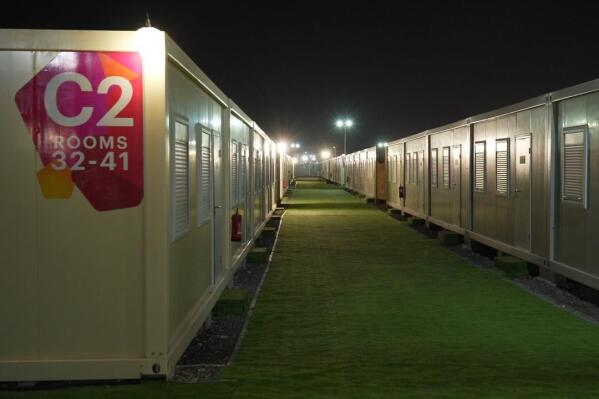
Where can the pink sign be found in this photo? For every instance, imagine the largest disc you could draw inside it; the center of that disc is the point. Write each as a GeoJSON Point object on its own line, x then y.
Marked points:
{"type": "Point", "coordinates": [84, 112]}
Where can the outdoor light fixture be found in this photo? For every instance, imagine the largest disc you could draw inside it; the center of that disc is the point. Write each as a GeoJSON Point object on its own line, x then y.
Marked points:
{"type": "Point", "coordinates": [382, 145]}
{"type": "Point", "coordinates": [344, 124]}
{"type": "Point", "coordinates": [305, 158]}
{"type": "Point", "coordinates": [295, 145]}
{"type": "Point", "coordinates": [294, 160]}
{"type": "Point", "coordinates": [147, 38]}
{"type": "Point", "coordinates": [282, 146]}
{"type": "Point", "coordinates": [325, 154]}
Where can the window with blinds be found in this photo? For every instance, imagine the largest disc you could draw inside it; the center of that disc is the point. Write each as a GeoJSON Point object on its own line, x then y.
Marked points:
{"type": "Point", "coordinates": [257, 173]}
{"type": "Point", "coordinates": [409, 165]}
{"type": "Point", "coordinates": [574, 165]}
{"type": "Point", "coordinates": [234, 172]}
{"type": "Point", "coordinates": [181, 179]}
{"type": "Point", "coordinates": [205, 180]}
{"type": "Point", "coordinates": [480, 166]}
{"type": "Point", "coordinates": [434, 177]}
{"type": "Point", "coordinates": [502, 167]}
{"type": "Point", "coordinates": [243, 176]}
{"type": "Point", "coordinates": [445, 168]}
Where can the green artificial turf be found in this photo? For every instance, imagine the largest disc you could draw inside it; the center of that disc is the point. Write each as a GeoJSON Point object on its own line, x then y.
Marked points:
{"type": "Point", "coordinates": [359, 305]}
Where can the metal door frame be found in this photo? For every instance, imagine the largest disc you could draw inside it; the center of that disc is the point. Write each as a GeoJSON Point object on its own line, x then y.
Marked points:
{"type": "Point", "coordinates": [213, 241]}
{"type": "Point", "coordinates": [216, 208]}
{"type": "Point", "coordinates": [516, 138]}
{"type": "Point", "coordinates": [452, 177]}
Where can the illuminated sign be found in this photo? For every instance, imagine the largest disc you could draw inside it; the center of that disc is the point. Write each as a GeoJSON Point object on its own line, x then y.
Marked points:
{"type": "Point", "coordinates": [84, 112]}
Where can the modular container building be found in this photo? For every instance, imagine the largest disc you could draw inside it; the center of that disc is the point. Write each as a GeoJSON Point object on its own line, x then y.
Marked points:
{"type": "Point", "coordinates": [357, 171]}
{"type": "Point", "coordinates": [518, 179]}
{"type": "Point", "coordinates": [285, 167]}
{"type": "Point", "coordinates": [122, 165]}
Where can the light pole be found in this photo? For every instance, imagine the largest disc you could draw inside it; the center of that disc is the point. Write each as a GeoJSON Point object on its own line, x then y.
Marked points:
{"type": "Point", "coordinates": [344, 124]}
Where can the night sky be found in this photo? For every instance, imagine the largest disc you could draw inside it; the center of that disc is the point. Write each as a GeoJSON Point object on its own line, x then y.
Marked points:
{"type": "Point", "coordinates": [395, 69]}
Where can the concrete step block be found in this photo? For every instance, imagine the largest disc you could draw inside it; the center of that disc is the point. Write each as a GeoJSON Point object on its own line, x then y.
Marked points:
{"type": "Point", "coordinates": [258, 255]}
{"type": "Point", "coordinates": [415, 221]}
{"type": "Point", "coordinates": [234, 301]}
{"type": "Point", "coordinates": [511, 266]}
{"type": "Point", "coordinates": [449, 238]}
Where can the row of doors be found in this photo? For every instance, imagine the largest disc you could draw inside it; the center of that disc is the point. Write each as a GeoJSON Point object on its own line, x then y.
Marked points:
{"type": "Point", "coordinates": [520, 190]}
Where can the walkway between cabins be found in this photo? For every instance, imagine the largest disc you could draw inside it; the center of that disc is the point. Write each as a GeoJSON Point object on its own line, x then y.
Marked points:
{"type": "Point", "coordinates": [359, 305]}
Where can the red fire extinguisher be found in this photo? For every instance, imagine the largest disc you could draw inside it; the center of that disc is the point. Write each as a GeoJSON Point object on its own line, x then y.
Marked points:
{"type": "Point", "coordinates": [236, 226]}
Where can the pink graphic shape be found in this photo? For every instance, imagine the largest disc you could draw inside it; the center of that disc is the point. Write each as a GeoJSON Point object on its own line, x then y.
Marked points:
{"type": "Point", "coordinates": [106, 161]}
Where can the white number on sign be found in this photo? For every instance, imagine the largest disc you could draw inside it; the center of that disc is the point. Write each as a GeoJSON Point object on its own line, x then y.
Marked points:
{"type": "Point", "coordinates": [125, 157]}
{"type": "Point", "coordinates": [108, 161]}
{"type": "Point", "coordinates": [110, 119]}
{"type": "Point", "coordinates": [78, 158]}
{"type": "Point", "coordinates": [59, 160]}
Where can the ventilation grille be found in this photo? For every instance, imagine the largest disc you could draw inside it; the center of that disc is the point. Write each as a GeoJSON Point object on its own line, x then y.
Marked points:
{"type": "Point", "coordinates": [434, 180]}
{"type": "Point", "coordinates": [574, 170]}
{"type": "Point", "coordinates": [234, 173]}
{"type": "Point", "coordinates": [204, 205]}
{"type": "Point", "coordinates": [181, 181]}
{"type": "Point", "coordinates": [446, 167]}
{"type": "Point", "coordinates": [243, 172]}
{"type": "Point", "coordinates": [480, 170]}
{"type": "Point", "coordinates": [502, 167]}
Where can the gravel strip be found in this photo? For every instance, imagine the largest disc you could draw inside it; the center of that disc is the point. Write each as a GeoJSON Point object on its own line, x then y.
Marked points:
{"type": "Point", "coordinates": [213, 347]}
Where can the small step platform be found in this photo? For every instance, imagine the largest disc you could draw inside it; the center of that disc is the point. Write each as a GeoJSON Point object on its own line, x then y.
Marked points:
{"type": "Point", "coordinates": [511, 266]}
{"type": "Point", "coordinates": [415, 221]}
{"type": "Point", "coordinates": [449, 238]}
{"type": "Point", "coordinates": [233, 301]}
{"type": "Point", "coordinates": [258, 255]}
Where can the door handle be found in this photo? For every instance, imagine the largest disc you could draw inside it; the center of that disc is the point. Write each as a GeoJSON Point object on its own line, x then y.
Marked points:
{"type": "Point", "coordinates": [218, 207]}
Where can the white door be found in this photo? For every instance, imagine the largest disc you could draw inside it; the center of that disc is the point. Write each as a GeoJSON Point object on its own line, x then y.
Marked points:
{"type": "Point", "coordinates": [456, 184]}
{"type": "Point", "coordinates": [218, 209]}
{"type": "Point", "coordinates": [522, 192]}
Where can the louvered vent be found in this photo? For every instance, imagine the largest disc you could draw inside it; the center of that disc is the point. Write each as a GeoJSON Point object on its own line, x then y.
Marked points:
{"type": "Point", "coordinates": [574, 166]}
{"type": "Point", "coordinates": [234, 173]}
{"type": "Point", "coordinates": [181, 179]}
{"type": "Point", "coordinates": [446, 168]}
{"type": "Point", "coordinates": [502, 167]}
{"type": "Point", "coordinates": [243, 172]}
{"type": "Point", "coordinates": [434, 181]}
{"type": "Point", "coordinates": [204, 206]}
{"type": "Point", "coordinates": [409, 166]}
{"type": "Point", "coordinates": [480, 169]}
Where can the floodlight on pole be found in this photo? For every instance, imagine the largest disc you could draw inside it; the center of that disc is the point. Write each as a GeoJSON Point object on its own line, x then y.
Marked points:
{"type": "Point", "coordinates": [344, 124]}
{"type": "Point", "coordinates": [282, 146]}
